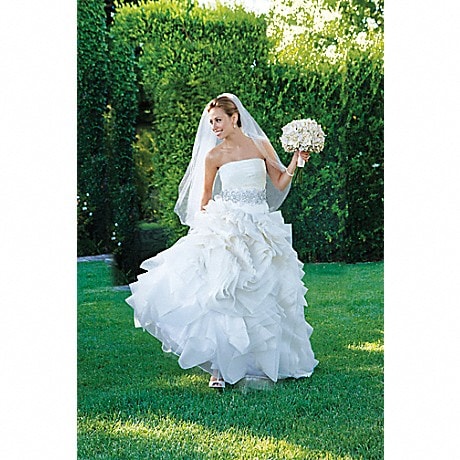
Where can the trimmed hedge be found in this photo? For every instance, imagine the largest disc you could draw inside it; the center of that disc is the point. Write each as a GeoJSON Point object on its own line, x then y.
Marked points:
{"type": "Point", "coordinates": [169, 58]}
{"type": "Point", "coordinates": [337, 210]}
{"type": "Point", "coordinates": [149, 239]}
{"type": "Point", "coordinates": [122, 134]}
{"type": "Point", "coordinates": [92, 68]}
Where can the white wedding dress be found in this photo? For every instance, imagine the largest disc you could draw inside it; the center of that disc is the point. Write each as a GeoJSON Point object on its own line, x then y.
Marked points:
{"type": "Point", "coordinates": [229, 295]}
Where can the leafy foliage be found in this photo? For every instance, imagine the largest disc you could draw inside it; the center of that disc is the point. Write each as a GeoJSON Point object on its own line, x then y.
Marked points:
{"type": "Point", "coordinates": [337, 210]}
{"type": "Point", "coordinates": [92, 95]}
{"type": "Point", "coordinates": [169, 58]}
{"type": "Point", "coordinates": [318, 33]}
{"type": "Point", "coordinates": [123, 112]}
{"type": "Point", "coordinates": [144, 174]}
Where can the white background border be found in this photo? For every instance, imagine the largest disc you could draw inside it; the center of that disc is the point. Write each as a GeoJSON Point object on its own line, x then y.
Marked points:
{"type": "Point", "coordinates": [38, 238]}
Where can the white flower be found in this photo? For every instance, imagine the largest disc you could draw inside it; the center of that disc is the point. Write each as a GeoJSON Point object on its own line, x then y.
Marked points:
{"type": "Point", "coordinates": [321, 17]}
{"type": "Point", "coordinates": [87, 194]}
{"type": "Point", "coordinates": [84, 208]}
{"type": "Point", "coordinates": [116, 225]}
{"type": "Point", "coordinates": [361, 38]}
{"type": "Point", "coordinates": [113, 238]}
{"type": "Point", "coordinates": [331, 52]}
{"type": "Point", "coordinates": [375, 165]}
{"type": "Point", "coordinates": [371, 23]}
{"type": "Point", "coordinates": [331, 15]}
{"type": "Point", "coordinates": [305, 134]}
{"type": "Point", "coordinates": [90, 214]}
{"type": "Point", "coordinates": [119, 243]}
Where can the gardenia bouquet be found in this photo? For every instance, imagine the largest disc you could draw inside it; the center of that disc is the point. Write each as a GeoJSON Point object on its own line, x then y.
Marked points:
{"type": "Point", "coordinates": [306, 135]}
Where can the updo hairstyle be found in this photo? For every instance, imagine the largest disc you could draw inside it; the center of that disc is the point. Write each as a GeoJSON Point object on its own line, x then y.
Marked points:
{"type": "Point", "coordinates": [227, 105]}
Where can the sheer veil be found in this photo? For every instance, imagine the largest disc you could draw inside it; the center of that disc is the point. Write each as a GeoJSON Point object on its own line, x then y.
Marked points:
{"type": "Point", "coordinates": [191, 186]}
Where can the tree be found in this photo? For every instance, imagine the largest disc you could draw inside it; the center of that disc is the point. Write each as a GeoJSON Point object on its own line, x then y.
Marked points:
{"type": "Point", "coordinates": [315, 33]}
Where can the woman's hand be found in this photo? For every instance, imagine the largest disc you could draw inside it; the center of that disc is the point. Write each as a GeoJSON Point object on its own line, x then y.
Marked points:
{"type": "Point", "coordinates": [303, 154]}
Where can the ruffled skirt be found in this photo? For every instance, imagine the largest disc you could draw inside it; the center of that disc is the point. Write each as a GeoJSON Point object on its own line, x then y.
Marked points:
{"type": "Point", "coordinates": [229, 296]}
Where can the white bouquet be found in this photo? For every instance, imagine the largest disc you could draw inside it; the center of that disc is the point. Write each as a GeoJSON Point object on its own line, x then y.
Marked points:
{"type": "Point", "coordinates": [306, 135]}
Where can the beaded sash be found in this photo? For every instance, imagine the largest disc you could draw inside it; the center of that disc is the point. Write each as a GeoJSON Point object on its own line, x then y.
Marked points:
{"type": "Point", "coordinates": [246, 196]}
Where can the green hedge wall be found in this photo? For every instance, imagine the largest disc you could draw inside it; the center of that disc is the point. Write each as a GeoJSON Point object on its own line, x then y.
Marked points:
{"type": "Point", "coordinates": [123, 99]}
{"type": "Point", "coordinates": [363, 158]}
{"type": "Point", "coordinates": [337, 209]}
{"type": "Point", "coordinates": [169, 59]}
{"type": "Point", "coordinates": [92, 164]}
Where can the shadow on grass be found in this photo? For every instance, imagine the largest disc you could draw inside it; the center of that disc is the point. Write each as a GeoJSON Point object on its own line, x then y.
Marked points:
{"type": "Point", "coordinates": [335, 414]}
{"type": "Point", "coordinates": [172, 438]}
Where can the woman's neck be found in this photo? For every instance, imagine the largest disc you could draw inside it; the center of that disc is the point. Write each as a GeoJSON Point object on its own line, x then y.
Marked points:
{"type": "Point", "coordinates": [235, 139]}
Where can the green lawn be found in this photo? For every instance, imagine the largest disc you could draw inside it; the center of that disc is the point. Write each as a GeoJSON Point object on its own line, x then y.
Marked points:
{"type": "Point", "coordinates": [135, 402]}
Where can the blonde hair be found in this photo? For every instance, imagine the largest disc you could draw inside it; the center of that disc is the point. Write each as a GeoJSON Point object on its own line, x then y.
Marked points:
{"type": "Point", "coordinates": [227, 105]}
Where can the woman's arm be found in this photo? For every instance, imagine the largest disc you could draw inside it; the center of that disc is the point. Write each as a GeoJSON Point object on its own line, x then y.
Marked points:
{"type": "Point", "coordinates": [210, 171]}
{"type": "Point", "coordinates": [281, 179]}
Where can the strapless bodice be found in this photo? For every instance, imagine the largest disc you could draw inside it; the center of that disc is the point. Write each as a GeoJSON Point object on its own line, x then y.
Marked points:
{"type": "Point", "coordinates": [243, 174]}
{"type": "Point", "coordinates": [243, 182]}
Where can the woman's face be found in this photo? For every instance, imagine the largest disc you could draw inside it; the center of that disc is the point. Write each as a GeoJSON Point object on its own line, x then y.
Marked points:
{"type": "Point", "coordinates": [221, 123]}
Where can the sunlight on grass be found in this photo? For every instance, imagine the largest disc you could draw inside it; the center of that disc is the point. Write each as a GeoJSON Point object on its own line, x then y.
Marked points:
{"type": "Point", "coordinates": [183, 381]}
{"type": "Point", "coordinates": [173, 435]}
{"type": "Point", "coordinates": [373, 347]}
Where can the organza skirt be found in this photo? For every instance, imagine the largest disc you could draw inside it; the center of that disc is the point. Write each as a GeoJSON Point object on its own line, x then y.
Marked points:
{"type": "Point", "coordinates": [229, 296]}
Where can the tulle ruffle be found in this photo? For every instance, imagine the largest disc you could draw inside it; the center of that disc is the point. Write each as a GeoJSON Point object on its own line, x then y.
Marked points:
{"type": "Point", "coordinates": [229, 296]}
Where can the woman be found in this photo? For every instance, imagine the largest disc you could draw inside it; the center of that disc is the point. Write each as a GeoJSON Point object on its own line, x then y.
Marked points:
{"type": "Point", "coordinates": [228, 297]}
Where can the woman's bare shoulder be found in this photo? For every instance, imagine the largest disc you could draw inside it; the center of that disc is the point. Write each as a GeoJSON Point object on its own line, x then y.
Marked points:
{"type": "Point", "coordinates": [214, 156]}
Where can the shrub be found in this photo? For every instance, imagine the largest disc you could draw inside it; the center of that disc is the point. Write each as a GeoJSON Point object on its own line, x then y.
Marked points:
{"type": "Point", "coordinates": [121, 136]}
{"type": "Point", "coordinates": [337, 211]}
{"type": "Point", "coordinates": [149, 240]}
{"type": "Point", "coordinates": [144, 174]}
{"type": "Point", "coordinates": [92, 61]}
{"type": "Point", "coordinates": [85, 223]}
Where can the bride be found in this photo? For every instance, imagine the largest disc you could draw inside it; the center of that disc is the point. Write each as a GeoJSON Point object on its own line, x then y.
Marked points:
{"type": "Point", "coordinates": [228, 297]}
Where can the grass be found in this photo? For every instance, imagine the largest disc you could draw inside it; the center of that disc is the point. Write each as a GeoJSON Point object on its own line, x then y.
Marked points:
{"type": "Point", "coordinates": [135, 402]}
